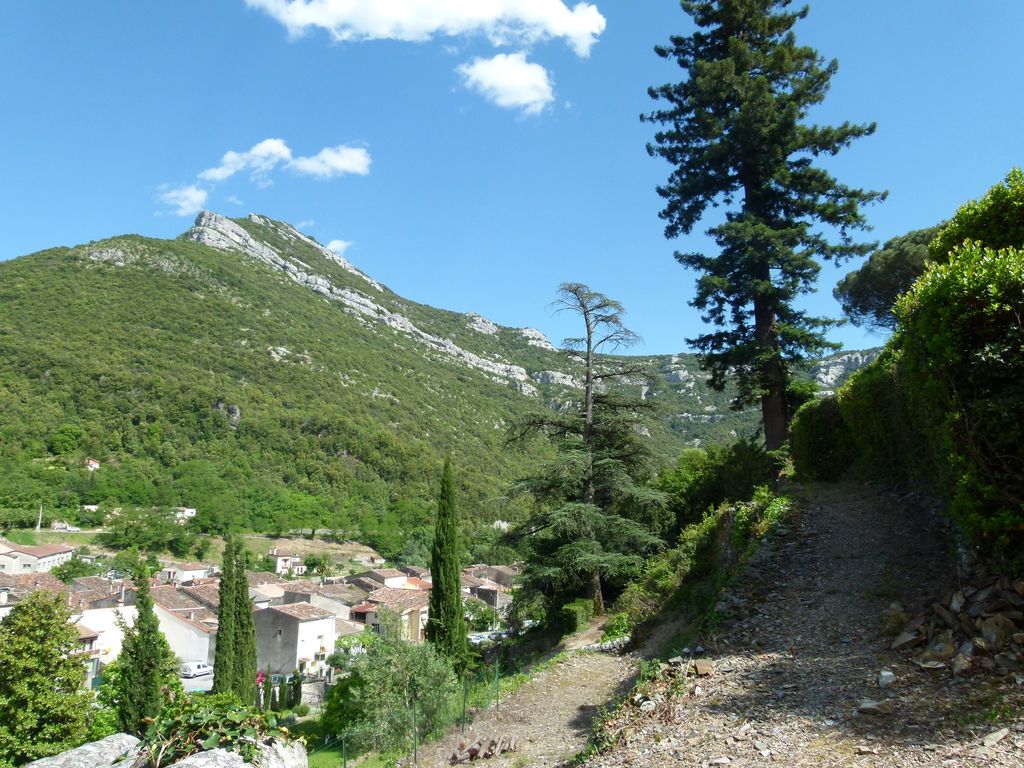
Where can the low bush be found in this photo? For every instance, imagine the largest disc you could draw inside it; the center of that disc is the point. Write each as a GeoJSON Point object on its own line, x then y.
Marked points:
{"type": "Point", "coordinates": [819, 442]}
{"type": "Point", "coordinates": [577, 614]}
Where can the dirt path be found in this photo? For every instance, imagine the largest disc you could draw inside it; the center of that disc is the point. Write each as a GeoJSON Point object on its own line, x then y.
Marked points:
{"type": "Point", "coordinates": [551, 716]}
{"type": "Point", "coordinates": [800, 646]}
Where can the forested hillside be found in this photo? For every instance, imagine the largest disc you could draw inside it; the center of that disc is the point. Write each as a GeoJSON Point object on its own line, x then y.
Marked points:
{"type": "Point", "coordinates": [247, 371]}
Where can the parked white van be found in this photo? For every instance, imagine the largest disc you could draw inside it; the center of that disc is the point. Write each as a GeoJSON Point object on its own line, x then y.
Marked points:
{"type": "Point", "coordinates": [195, 669]}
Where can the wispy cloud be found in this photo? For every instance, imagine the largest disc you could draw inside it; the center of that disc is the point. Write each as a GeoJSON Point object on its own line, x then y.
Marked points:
{"type": "Point", "coordinates": [503, 22]}
{"type": "Point", "coordinates": [268, 154]}
{"type": "Point", "coordinates": [186, 200]}
{"type": "Point", "coordinates": [339, 246]}
{"type": "Point", "coordinates": [331, 162]}
{"type": "Point", "coordinates": [510, 81]}
{"type": "Point", "coordinates": [259, 162]}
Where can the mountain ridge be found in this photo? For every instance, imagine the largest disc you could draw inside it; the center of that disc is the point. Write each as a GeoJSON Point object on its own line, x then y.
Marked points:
{"type": "Point", "coordinates": [247, 370]}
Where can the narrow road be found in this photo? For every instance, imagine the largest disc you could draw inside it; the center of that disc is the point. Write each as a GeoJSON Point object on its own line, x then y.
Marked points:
{"type": "Point", "coordinates": [801, 644]}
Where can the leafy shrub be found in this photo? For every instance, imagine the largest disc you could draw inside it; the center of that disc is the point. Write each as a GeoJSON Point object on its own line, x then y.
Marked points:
{"type": "Point", "coordinates": [962, 341]}
{"type": "Point", "coordinates": [207, 722]}
{"type": "Point", "coordinates": [302, 710]}
{"type": "Point", "coordinates": [618, 626]}
{"type": "Point", "coordinates": [819, 442]}
{"type": "Point", "coordinates": [995, 220]}
{"type": "Point", "coordinates": [577, 614]}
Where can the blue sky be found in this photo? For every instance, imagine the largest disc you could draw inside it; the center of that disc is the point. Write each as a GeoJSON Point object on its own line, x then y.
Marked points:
{"type": "Point", "coordinates": [467, 163]}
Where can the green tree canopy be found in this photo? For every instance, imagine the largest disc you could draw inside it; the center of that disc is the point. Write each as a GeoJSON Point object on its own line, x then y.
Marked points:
{"type": "Point", "coordinates": [996, 220]}
{"type": "Point", "coordinates": [147, 670]}
{"type": "Point", "coordinates": [736, 133]}
{"type": "Point", "coordinates": [43, 706]}
{"type": "Point", "coordinates": [868, 294]}
{"type": "Point", "coordinates": [591, 524]}
{"type": "Point", "coordinates": [446, 628]}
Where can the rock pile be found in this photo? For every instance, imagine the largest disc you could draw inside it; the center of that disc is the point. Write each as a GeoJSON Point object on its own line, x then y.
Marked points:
{"type": "Point", "coordinates": [980, 626]}
{"type": "Point", "coordinates": [483, 748]}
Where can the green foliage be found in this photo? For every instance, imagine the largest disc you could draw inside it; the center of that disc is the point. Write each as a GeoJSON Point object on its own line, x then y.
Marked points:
{"type": "Point", "coordinates": [819, 442]}
{"type": "Point", "coordinates": [227, 609]}
{"type": "Point", "coordinates": [183, 402]}
{"type": "Point", "coordinates": [618, 626]}
{"type": "Point", "coordinates": [207, 722]}
{"type": "Point", "coordinates": [295, 690]}
{"type": "Point", "coordinates": [577, 614]}
{"type": "Point", "coordinates": [735, 130]}
{"type": "Point", "coordinates": [148, 530]}
{"type": "Point", "coordinates": [703, 479]}
{"type": "Point", "coordinates": [43, 705]}
{"type": "Point", "coordinates": [962, 341]}
{"type": "Point", "coordinates": [373, 707]}
{"type": "Point", "coordinates": [146, 671]}
{"type": "Point", "coordinates": [996, 220]}
{"type": "Point", "coordinates": [595, 515]}
{"type": "Point", "coordinates": [479, 615]}
{"type": "Point", "coordinates": [74, 568]}
{"type": "Point", "coordinates": [244, 658]}
{"type": "Point", "coordinates": [446, 628]}
{"type": "Point", "coordinates": [868, 294]}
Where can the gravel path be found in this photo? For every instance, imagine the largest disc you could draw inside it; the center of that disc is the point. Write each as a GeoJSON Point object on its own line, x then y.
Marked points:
{"type": "Point", "coordinates": [550, 716]}
{"type": "Point", "coordinates": [800, 646]}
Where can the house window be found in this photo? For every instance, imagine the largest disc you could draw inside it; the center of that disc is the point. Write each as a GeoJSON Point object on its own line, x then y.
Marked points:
{"type": "Point", "coordinates": [26, 566]}
{"type": "Point", "coordinates": [279, 632]}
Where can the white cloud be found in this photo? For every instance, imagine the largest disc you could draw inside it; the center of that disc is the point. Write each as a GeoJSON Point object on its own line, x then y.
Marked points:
{"type": "Point", "coordinates": [339, 246]}
{"type": "Point", "coordinates": [233, 199]}
{"type": "Point", "coordinates": [331, 162]}
{"type": "Point", "coordinates": [261, 159]}
{"type": "Point", "coordinates": [502, 21]}
{"type": "Point", "coordinates": [187, 201]}
{"type": "Point", "coordinates": [305, 223]}
{"type": "Point", "coordinates": [509, 80]}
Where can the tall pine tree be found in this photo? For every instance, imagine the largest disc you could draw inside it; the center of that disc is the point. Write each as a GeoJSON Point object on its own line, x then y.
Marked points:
{"type": "Point", "coordinates": [735, 131]}
{"type": "Point", "coordinates": [244, 667]}
{"type": "Point", "coordinates": [146, 667]}
{"type": "Point", "coordinates": [224, 653]}
{"type": "Point", "coordinates": [595, 516]}
{"type": "Point", "coordinates": [446, 628]}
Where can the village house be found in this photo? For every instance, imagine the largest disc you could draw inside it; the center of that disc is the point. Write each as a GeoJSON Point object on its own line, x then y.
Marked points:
{"type": "Point", "coordinates": [90, 653]}
{"type": "Point", "coordinates": [185, 573]}
{"type": "Point", "coordinates": [183, 514]}
{"type": "Point", "coordinates": [380, 577]}
{"type": "Point", "coordinates": [336, 598]}
{"type": "Point", "coordinates": [294, 636]}
{"type": "Point", "coordinates": [16, 559]}
{"type": "Point", "coordinates": [287, 565]}
{"type": "Point", "coordinates": [412, 606]}
{"type": "Point", "coordinates": [266, 587]}
{"type": "Point", "coordinates": [189, 626]}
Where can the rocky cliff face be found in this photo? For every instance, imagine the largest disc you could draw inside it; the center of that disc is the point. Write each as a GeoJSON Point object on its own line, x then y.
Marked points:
{"type": "Point", "coordinates": [124, 751]}
{"type": "Point", "coordinates": [831, 372]}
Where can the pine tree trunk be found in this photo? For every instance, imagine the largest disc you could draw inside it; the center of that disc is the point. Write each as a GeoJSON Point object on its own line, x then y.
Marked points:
{"type": "Point", "coordinates": [595, 593]}
{"type": "Point", "coordinates": [773, 401]}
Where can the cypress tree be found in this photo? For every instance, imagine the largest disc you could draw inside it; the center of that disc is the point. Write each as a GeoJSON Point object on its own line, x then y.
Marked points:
{"type": "Point", "coordinates": [146, 663]}
{"type": "Point", "coordinates": [267, 693]}
{"type": "Point", "coordinates": [446, 627]}
{"type": "Point", "coordinates": [224, 654]}
{"type": "Point", "coordinates": [244, 661]}
{"type": "Point", "coordinates": [737, 134]}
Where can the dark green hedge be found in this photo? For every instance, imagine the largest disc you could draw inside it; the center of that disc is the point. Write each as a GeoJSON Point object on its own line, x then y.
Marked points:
{"type": "Point", "coordinates": [819, 441]}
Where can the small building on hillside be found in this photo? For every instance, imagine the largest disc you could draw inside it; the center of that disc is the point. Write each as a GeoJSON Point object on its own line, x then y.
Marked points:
{"type": "Point", "coordinates": [412, 606]}
{"type": "Point", "coordinates": [16, 559]}
{"type": "Point", "coordinates": [295, 636]}
{"type": "Point", "coordinates": [185, 573]}
{"type": "Point", "coordinates": [287, 565]}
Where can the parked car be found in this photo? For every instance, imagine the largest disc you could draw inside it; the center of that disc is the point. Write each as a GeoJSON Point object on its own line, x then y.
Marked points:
{"type": "Point", "coordinates": [195, 669]}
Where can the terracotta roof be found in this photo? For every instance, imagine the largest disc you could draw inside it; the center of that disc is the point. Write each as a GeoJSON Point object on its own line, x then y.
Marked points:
{"type": "Point", "coordinates": [24, 583]}
{"type": "Point", "coordinates": [387, 573]}
{"type": "Point", "coordinates": [343, 627]}
{"type": "Point", "coordinates": [364, 608]}
{"type": "Point", "coordinates": [363, 583]}
{"type": "Point", "coordinates": [259, 578]}
{"type": "Point", "coordinates": [187, 567]}
{"type": "Point", "coordinates": [345, 593]}
{"type": "Point", "coordinates": [418, 583]}
{"type": "Point", "coordinates": [43, 550]}
{"type": "Point", "coordinates": [95, 584]}
{"type": "Point", "coordinates": [174, 599]}
{"type": "Point", "coordinates": [399, 598]}
{"type": "Point", "coordinates": [470, 581]}
{"type": "Point", "coordinates": [84, 633]}
{"type": "Point", "coordinates": [301, 611]}
{"type": "Point", "coordinates": [208, 594]}
{"type": "Point", "coordinates": [304, 587]}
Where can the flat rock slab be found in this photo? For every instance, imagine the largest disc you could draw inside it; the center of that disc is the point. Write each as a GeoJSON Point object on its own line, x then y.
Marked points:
{"type": "Point", "coordinates": [97, 754]}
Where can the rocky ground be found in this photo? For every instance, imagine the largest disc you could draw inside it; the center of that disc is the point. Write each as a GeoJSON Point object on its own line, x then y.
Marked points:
{"type": "Point", "coordinates": [799, 670]}
{"type": "Point", "coordinates": [551, 716]}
